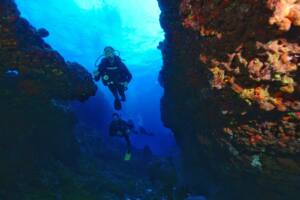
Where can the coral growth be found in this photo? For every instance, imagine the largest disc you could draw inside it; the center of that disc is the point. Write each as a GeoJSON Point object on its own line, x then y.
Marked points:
{"type": "Point", "coordinates": [248, 63]}
{"type": "Point", "coordinates": [258, 63]}
{"type": "Point", "coordinates": [244, 99]}
{"type": "Point", "coordinates": [42, 70]}
{"type": "Point", "coordinates": [285, 13]}
{"type": "Point", "coordinates": [36, 128]}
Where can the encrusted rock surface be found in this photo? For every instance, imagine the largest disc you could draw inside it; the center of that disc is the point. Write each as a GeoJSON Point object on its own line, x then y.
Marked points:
{"type": "Point", "coordinates": [36, 128]}
{"type": "Point", "coordinates": [232, 94]}
{"type": "Point", "coordinates": [41, 70]}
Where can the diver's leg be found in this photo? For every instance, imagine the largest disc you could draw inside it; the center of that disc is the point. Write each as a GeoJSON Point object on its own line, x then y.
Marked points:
{"type": "Point", "coordinates": [121, 90]}
{"type": "Point", "coordinates": [114, 91]}
{"type": "Point", "coordinates": [127, 139]}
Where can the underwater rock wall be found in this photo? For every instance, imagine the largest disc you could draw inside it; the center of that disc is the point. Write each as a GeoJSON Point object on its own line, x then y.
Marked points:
{"type": "Point", "coordinates": [232, 94]}
{"type": "Point", "coordinates": [35, 125]}
{"type": "Point", "coordinates": [41, 70]}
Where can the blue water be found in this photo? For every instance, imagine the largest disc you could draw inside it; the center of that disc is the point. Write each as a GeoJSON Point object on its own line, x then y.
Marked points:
{"type": "Point", "coordinates": [80, 29]}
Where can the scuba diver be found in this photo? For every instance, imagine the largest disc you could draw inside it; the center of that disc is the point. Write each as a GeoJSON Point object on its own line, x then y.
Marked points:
{"type": "Point", "coordinates": [114, 74]}
{"type": "Point", "coordinates": [119, 127]}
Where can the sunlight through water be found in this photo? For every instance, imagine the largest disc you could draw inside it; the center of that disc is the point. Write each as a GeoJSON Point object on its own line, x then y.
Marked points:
{"type": "Point", "coordinates": [89, 4]}
{"type": "Point", "coordinates": [80, 29]}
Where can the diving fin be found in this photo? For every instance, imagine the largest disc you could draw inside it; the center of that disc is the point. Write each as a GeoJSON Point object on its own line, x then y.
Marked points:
{"type": "Point", "coordinates": [127, 157]}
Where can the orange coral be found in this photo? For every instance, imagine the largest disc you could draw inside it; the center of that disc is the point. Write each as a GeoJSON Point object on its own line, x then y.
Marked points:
{"type": "Point", "coordinates": [254, 139]}
{"type": "Point", "coordinates": [251, 60]}
{"type": "Point", "coordinates": [274, 61]}
{"type": "Point", "coordinates": [219, 78]}
{"type": "Point", "coordinates": [285, 13]}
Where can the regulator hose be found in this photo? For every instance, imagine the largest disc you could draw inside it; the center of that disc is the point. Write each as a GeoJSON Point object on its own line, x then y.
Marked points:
{"type": "Point", "coordinates": [97, 60]}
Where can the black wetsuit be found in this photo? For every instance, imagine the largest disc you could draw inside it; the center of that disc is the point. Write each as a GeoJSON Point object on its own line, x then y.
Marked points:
{"type": "Point", "coordinates": [122, 129]}
{"type": "Point", "coordinates": [117, 73]}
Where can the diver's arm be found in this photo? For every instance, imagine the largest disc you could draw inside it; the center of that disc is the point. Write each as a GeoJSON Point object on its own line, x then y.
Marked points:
{"type": "Point", "coordinates": [125, 69]}
{"type": "Point", "coordinates": [144, 132]}
{"type": "Point", "coordinates": [101, 67]}
{"type": "Point", "coordinates": [131, 127]}
{"type": "Point", "coordinates": [99, 72]}
{"type": "Point", "coordinates": [128, 74]}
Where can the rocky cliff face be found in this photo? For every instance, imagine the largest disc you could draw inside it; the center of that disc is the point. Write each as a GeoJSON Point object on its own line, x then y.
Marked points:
{"type": "Point", "coordinates": [35, 127]}
{"type": "Point", "coordinates": [231, 82]}
{"type": "Point", "coordinates": [41, 70]}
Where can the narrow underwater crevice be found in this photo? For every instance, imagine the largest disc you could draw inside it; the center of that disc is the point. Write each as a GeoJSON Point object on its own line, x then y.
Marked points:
{"type": "Point", "coordinates": [46, 152]}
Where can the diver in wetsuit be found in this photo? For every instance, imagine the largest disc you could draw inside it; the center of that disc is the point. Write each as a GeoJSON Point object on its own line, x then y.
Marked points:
{"type": "Point", "coordinates": [119, 127]}
{"type": "Point", "coordinates": [114, 74]}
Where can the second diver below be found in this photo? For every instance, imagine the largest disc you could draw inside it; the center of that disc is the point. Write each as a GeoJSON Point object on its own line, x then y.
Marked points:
{"type": "Point", "coordinates": [114, 74]}
{"type": "Point", "coordinates": [121, 128]}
